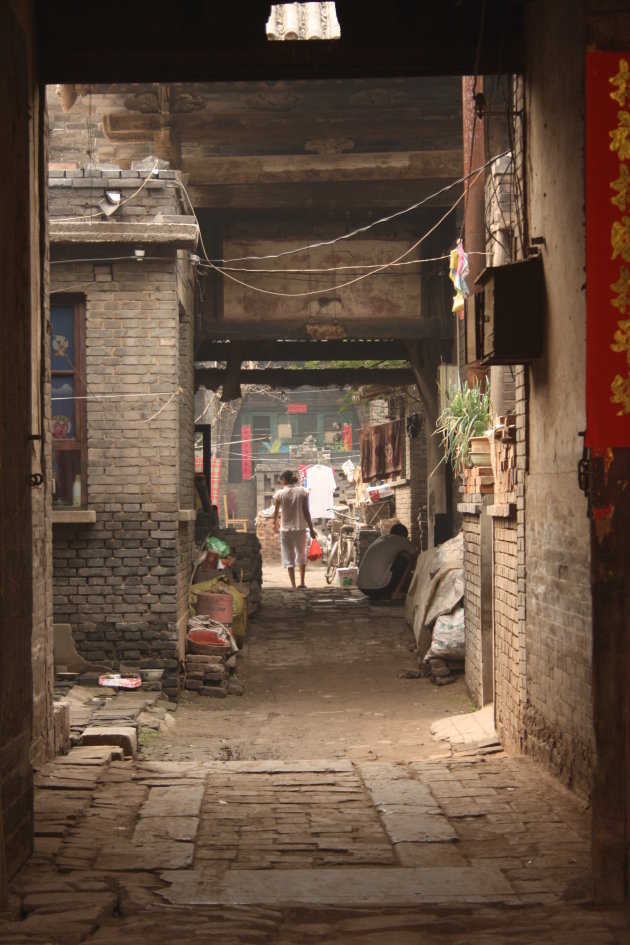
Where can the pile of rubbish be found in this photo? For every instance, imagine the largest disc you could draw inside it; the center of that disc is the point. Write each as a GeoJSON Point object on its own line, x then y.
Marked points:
{"type": "Point", "coordinates": [434, 609]}
{"type": "Point", "coordinates": [216, 624]}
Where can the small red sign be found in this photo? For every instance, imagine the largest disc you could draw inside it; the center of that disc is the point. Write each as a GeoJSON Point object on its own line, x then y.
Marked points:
{"type": "Point", "coordinates": [297, 408]}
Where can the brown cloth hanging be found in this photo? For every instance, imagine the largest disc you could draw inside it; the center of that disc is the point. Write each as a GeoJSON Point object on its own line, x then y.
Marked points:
{"type": "Point", "coordinates": [381, 451]}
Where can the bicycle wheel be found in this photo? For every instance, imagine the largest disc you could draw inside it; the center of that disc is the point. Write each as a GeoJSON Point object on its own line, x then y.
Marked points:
{"type": "Point", "coordinates": [331, 563]}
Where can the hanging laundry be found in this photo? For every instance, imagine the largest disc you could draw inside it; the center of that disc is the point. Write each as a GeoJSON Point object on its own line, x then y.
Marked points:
{"type": "Point", "coordinates": [347, 436]}
{"type": "Point", "coordinates": [215, 478]}
{"type": "Point", "coordinates": [320, 482]}
{"type": "Point", "coordinates": [246, 459]}
{"type": "Point", "coordinates": [458, 270]}
{"type": "Point", "coordinates": [381, 453]}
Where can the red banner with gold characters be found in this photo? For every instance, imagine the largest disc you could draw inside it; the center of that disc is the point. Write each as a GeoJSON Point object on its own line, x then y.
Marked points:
{"type": "Point", "coordinates": [607, 250]}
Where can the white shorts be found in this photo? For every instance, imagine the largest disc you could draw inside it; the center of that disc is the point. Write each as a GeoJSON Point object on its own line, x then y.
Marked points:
{"type": "Point", "coordinates": [293, 547]}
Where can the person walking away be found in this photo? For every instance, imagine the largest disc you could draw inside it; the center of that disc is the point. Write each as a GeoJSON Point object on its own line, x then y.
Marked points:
{"type": "Point", "coordinates": [386, 569]}
{"type": "Point", "coordinates": [291, 517]}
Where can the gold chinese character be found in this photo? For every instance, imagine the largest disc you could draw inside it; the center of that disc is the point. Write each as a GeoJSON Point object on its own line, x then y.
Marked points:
{"type": "Point", "coordinates": [622, 81]}
{"type": "Point", "coordinates": [620, 137]}
{"type": "Point", "coordinates": [622, 339]}
{"type": "Point", "coordinates": [622, 288]}
{"type": "Point", "coordinates": [620, 388]}
{"type": "Point", "coordinates": [622, 185]}
{"type": "Point", "coordinates": [620, 238]}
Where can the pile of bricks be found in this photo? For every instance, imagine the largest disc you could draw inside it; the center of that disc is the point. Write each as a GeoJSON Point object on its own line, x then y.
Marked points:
{"type": "Point", "coordinates": [504, 447]}
{"type": "Point", "coordinates": [478, 480]}
{"type": "Point", "coordinates": [211, 675]}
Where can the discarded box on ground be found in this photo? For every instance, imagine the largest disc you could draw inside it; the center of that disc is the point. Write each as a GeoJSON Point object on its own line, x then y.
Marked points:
{"type": "Point", "coordinates": [347, 577]}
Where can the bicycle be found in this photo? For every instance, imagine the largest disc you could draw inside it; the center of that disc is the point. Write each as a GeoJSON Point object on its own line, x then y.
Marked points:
{"type": "Point", "coordinates": [343, 538]}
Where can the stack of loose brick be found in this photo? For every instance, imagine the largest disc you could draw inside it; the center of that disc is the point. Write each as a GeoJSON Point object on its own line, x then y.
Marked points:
{"type": "Point", "coordinates": [479, 481]}
{"type": "Point", "coordinates": [505, 455]}
{"type": "Point", "coordinates": [210, 675]}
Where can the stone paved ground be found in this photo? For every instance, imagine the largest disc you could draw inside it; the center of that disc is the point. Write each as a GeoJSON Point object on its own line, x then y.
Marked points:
{"type": "Point", "coordinates": [289, 848]}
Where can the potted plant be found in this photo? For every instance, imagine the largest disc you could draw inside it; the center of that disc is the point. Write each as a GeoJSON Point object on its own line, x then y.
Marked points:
{"type": "Point", "coordinates": [465, 418]}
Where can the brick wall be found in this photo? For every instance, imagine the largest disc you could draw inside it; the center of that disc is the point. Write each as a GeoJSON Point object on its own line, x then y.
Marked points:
{"type": "Point", "coordinates": [477, 534]}
{"type": "Point", "coordinates": [507, 653]}
{"type": "Point", "coordinates": [120, 582]}
{"type": "Point", "coordinates": [471, 527]}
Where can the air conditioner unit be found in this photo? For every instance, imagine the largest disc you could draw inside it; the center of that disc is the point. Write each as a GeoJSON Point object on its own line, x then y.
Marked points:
{"type": "Point", "coordinates": [508, 313]}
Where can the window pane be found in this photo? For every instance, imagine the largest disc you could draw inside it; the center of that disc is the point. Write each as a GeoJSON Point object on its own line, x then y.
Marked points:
{"type": "Point", "coordinates": [62, 338]}
{"type": "Point", "coordinates": [66, 471]}
{"type": "Point", "coordinates": [63, 420]}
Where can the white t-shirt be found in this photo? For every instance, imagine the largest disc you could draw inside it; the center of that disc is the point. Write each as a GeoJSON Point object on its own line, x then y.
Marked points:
{"type": "Point", "coordinates": [291, 500]}
{"type": "Point", "coordinates": [375, 570]}
{"type": "Point", "coordinates": [320, 482]}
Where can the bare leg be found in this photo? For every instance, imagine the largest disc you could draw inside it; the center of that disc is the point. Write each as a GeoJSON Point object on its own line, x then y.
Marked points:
{"type": "Point", "coordinates": [291, 572]}
{"type": "Point", "coordinates": [302, 575]}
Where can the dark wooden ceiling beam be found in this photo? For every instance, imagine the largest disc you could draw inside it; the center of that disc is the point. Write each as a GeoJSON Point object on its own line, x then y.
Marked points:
{"type": "Point", "coordinates": [317, 196]}
{"type": "Point", "coordinates": [304, 350]}
{"type": "Point", "coordinates": [199, 41]}
{"type": "Point", "coordinates": [289, 169]}
{"type": "Point", "coordinates": [414, 329]}
{"type": "Point", "coordinates": [287, 379]}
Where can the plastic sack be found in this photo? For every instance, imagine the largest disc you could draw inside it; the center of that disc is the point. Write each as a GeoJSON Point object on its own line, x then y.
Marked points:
{"type": "Point", "coordinates": [217, 544]}
{"type": "Point", "coordinates": [449, 636]}
{"type": "Point", "coordinates": [315, 550]}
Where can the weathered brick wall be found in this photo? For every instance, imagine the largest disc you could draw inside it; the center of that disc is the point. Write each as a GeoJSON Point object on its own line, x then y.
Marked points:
{"type": "Point", "coordinates": [21, 547]}
{"type": "Point", "coordinates": [471, 527]}
{"type": "Point", "coordinates": [77, 194]}
{"type": "Point", "coordinates": [558, 725]}
{"type": "Point", "coordinates": [507, 650]}
{"type": "Point", "coordinates": [43, 741]}
{"type": "Point", "coordinates": [119, 581]}
{"type": "Point", "coordinates": [186, 434]}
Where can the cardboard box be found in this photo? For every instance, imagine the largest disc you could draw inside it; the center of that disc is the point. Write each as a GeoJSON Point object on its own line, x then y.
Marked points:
{"type": "Point", "coordinates": [377, 493]}
{"type": "Point", "coordinates": [347, 577]}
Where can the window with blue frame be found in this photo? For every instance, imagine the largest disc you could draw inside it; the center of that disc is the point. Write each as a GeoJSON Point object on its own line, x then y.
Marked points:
{"type": "Point", "coordinates": [67, 367]}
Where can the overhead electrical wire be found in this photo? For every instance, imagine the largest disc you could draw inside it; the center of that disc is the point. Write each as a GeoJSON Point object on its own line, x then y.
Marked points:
{"type": "Point", "coordinates": [344, 236]}
{"type": "Point", "coordinates": [343, 285]}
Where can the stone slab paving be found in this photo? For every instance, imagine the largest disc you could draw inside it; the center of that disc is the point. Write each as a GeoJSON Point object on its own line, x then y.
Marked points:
{"type": "Point", "coordinates": [466, 851]}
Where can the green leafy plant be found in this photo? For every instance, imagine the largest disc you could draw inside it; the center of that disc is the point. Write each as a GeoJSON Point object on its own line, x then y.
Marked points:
{"type": "Point", "coordinates": [468, 413]}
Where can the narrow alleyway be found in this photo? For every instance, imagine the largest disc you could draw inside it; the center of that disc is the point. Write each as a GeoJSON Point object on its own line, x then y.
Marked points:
{"type": "Point", "coordinates": [314, 808]}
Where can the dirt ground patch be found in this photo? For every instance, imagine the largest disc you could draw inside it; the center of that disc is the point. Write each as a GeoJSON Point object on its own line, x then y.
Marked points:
{"type": "Point", "coordinates": [322, 675]}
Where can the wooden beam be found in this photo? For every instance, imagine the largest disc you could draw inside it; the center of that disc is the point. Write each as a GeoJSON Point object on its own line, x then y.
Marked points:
{"type": "Point", "coordinates": [287, 379]}
{"type": "Point", "coordinates": [288, 169]}
{"type": "Point", "coordinates": [414, 328]}
{"type": "Point", "coordinates": [304, 350]}
{"type": "Point", "coordinates": [208, 42]}
{"type": "Point", "coordinates": [322, 196]}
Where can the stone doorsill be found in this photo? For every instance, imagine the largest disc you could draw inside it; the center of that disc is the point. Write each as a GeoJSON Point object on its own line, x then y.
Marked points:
{"type": "Point", "coordinates": [73, 517]}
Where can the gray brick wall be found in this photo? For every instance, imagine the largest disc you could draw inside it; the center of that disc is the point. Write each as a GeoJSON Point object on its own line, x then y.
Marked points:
{"type": "Point", "coordinates": [120, 582]}
{"type": "Point", "coordinates": [507, 654]}
{"type": "Point", "coordinates": [471, 527]}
